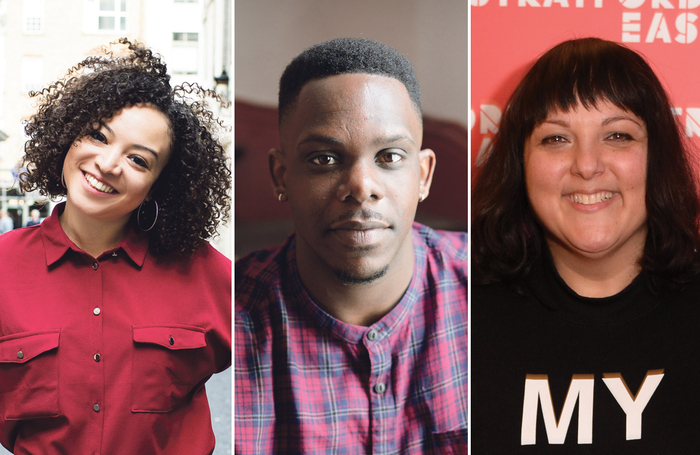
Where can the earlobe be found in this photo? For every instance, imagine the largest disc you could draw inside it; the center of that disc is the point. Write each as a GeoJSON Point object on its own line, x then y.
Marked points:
{"type": "Point", "coordinates": [427, 168]}
{"type": "Point", "coordinates": [277, 173]}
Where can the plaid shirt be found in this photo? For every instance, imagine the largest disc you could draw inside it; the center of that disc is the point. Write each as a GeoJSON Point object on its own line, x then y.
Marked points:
{"type": "Point", "coordinates": [308, 383]}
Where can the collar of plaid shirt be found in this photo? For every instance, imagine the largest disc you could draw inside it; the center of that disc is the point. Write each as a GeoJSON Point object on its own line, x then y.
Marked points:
{"type": "Point", "coordinates": [308, 382]}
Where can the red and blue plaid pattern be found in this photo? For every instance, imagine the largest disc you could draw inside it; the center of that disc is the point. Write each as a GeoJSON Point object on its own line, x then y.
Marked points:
{"type": "Point", "coordinates": [308, 383]}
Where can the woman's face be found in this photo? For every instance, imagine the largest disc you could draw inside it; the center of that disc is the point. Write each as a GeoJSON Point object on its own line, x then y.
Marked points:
{"type": "Point", "coordinates": [585, 174]}
{"type": "Point", "coordinates": [109, 172]}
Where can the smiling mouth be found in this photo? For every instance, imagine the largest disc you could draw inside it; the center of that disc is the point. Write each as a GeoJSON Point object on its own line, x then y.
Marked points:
{"type": "Point", "coordinates": [590, 199]}
{"type": "Point", "coordinates": [99, 186]}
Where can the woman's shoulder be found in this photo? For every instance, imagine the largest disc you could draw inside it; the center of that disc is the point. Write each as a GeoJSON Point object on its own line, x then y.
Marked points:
{"type": "Point", "coordinates": [20, 239]}
{"type": "Point", "coordinates": [207, 263]}
{"type": "Point", "coordinates": [208, 254]}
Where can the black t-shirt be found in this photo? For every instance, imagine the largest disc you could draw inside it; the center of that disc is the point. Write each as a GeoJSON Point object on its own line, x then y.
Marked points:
{"type": "Point", "coordinates": [556, 373]}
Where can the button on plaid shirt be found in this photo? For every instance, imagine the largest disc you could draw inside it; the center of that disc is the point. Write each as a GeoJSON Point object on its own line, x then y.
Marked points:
{"type": "Point", "coordinates": [308, 383]}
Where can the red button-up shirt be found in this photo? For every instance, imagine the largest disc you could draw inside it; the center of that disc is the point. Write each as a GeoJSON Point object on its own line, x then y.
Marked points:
{"type": "Point", "coordinates": [108, 355]}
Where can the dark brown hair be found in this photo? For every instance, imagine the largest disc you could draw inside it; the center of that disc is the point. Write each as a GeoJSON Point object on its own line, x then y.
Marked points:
{"type": "Point", "coordinates": [192, 191]}
{"type": "Point", "coordinates": [507, 238]}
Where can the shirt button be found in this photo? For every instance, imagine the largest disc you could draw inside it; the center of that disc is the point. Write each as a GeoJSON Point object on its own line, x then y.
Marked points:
{"type": "Point", "coordinates": [379, 388]}
{"type": "Point", "coordinates": [114, 254]}
{"type": "Point", "coordinates": [171, 340]}
{"type": "Point", "coordinates": [96, 311]}
{"type": "Point", "coordinates": [372, 335]}
{"type": "Point", "coordinates": [20, 355]}
{"type": "Point", "coordinates": [95, 266]}
{"type": "Point", "coordinates": [97, 357]}
{"type": "Point", "coordinates": [96, 408]}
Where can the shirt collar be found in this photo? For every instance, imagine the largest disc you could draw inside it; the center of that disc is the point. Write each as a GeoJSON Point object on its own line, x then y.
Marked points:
{"type": "Point", "coordinates": [57, 243]}
{"type": "Point", "coordinates": [387, 325]}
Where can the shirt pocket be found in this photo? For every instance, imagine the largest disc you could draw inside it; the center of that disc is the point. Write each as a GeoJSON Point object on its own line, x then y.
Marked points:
{"type": "Point", "coordinates": [29, 374]}
{"type": "Point", "coordinates": [164, 369]}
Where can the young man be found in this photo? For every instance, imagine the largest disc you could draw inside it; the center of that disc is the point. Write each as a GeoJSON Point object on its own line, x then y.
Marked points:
{"type": "Point", "coordinates": [351, 337]}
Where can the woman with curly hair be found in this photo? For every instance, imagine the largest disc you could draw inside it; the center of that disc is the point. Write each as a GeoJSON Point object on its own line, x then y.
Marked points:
{"type": "Point", "coordinates": [137, 315]}
{"type": "Point", "coordinates": [586, 272]}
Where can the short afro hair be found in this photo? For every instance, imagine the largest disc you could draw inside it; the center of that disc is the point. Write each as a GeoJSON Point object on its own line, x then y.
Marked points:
{"type": "Point", "coordinates": [193, 189]}
{"type": "Point", "coordinates": [345, 56]}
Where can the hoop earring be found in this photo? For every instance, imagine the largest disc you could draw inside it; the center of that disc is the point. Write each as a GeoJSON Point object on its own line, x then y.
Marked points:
{"type": "Point", "coordinates": [63, 180]}
{"type": "Point", "coordinates": [147, 214]}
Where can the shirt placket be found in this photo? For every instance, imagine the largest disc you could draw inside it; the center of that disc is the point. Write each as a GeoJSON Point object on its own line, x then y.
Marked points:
{"type": "Point", "coordinates": [96, 385]}
{"type": "Point", "coordinates": [382, 405]}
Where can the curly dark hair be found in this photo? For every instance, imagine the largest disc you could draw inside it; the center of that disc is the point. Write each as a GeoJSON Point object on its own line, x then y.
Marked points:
{"type": "Point", "coordinates": [507, 237]}
{"type": "Point", "coordinates": [344, 56]}
{"type": "Point", "coordinates": [193, 189]}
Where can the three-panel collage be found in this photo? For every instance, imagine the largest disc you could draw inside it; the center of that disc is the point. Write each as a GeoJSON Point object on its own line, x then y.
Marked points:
{"type": "Point", "coordinates": [378, 227]}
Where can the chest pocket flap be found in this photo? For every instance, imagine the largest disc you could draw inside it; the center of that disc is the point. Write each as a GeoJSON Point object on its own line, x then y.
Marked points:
{"type": "Point", "coordinates": [171, 337]}
{"type": "Point", "coordinates": [23, 347]}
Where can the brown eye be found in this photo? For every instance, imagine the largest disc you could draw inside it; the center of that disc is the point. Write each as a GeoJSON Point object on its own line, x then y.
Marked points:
{"type": "Point", "coordinates": [553, 140]}
{"type": "Point", "coordinates": [137, 160]}
{"type": "Point", "coordinates": [98, 136]}
{"type": "Point", "coordinates": [391, 157]}
{"type": "Point", "coordinates": [324, 160]}
{"type": "Point", "coordinates": [617, 136]}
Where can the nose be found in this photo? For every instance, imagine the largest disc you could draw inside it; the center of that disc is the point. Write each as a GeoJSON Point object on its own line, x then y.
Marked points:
{"type": "Point", "coordinates": [587, 160]}
{"type": "Point", "coordinates": [361, 182]}
{"type": "Point", "coordinates": [108, 161]}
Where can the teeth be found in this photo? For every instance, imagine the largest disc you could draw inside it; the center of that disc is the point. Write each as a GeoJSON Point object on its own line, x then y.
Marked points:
{"type": "Point", "coordinates": [588, 199]}
{"type": "Point", "coordinates": [99, 186]}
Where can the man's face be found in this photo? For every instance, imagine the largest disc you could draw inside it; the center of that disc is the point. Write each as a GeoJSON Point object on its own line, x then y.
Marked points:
{"type": "Point", "coordinates": [352, 169]}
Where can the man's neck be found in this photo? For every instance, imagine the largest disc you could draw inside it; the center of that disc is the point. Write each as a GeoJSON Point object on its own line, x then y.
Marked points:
{"type": "Point", "coordinates": [359, 304]}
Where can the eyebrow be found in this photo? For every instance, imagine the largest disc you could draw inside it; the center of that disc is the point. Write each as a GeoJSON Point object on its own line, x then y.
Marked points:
{"type": "Point", "coordinates": [396, 138]}
{"type": "Point", "coordinates": [332, 140]}
{"type": "Point", "coordinates": [138, 146]}
{"type": "Point", "coordinates": [321, 138]}
{"type": "Point", "coordinates": [606, 121]}
{"type": "Point", "coordinates": [609, 120]}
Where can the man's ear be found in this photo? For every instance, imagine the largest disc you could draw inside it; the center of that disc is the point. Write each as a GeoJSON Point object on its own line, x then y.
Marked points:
{"type": "Point", "coordinates": [427, 168]}
{"type": "Point", "coordinates": [277, 173]}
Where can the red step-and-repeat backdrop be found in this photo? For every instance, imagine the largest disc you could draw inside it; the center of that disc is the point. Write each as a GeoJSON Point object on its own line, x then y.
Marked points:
{"type": "Point", "coordinates": [507, 36]}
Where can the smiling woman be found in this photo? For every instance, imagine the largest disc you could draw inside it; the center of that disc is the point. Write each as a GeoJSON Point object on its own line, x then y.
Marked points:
{"type": "Point", "coordinates": [111, 171]}
{"type": "Point", "coordinates": [138, 316]}
{"type": "Point", "coordinates": [585, 176]}
{"type": "Point", "coordinates": [586, 266]}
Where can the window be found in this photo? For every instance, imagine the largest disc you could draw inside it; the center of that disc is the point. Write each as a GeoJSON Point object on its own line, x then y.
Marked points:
{"type": "Point", "coordinates": [112, 15]}
{"type": "Point", "coordinates": [105, 16]}
{"type": "Point", "coordinates": [185, 37]}
{"type": "Point", "coordinates": [185, 53]}
{"type": "Point", "coordinates": [32, 73]}
{"type": "Point", "coordinates": [33, 17]}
